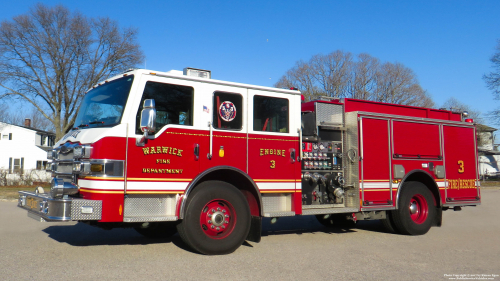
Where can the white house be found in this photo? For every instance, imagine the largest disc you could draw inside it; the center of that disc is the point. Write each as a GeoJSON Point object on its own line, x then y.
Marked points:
{"type": "Point", "coordinates": [23, 148]}
{"type": "Point", "coordinates": [489, 156]}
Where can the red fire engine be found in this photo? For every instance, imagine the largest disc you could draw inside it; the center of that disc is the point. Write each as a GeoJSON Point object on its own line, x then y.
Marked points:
{"type": "Point", "coordinates": [168, 152]}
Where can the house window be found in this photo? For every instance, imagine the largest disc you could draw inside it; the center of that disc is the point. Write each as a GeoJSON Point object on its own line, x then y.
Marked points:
{"type": "Point", "coordinates": [41, 165]}
{"type": "Point", "coordinates": [10, 136]}
{"type": "Point", "coordinates": [270, 114]}
{"type": "Point", "coordinates": [5, 137]}
{"type": "Point", "coordinates": [16, 165]}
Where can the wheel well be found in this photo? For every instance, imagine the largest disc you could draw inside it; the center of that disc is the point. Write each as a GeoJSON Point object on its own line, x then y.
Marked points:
{"type": "Point", "coordinates": [232, 176]}
{"type": "Point", "coordinates": [427, 180]}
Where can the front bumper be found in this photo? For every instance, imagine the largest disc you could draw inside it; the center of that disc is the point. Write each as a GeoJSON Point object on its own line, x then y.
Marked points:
{"type": "Point", "coordinates": [42, 207]}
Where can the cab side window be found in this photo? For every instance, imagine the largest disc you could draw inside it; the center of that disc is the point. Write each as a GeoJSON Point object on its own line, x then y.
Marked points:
{"type": "Point", "coordinates": [270, 114]}
{"type": "Point", "coordinates": [228, 111]}
{"type": "Point", "coordinates": [174, 104]}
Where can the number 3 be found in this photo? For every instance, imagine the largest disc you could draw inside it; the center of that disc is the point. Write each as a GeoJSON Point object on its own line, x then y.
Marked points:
{"type": "Point", "coordinates": [273, 164]}
{"type": "Point", "coordinates": [461, 168]}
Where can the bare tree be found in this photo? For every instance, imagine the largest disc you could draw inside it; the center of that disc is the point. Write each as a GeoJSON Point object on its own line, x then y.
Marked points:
{"type": "Point", "coordinates": [50, 57]}
{"type": "Point", "coordinates": [396, 83]}
{"type": "Point", "coordinates": [364, 78]}
{"type": "Point", "coordinates": [493, 80]}
{"type": "Point", "coordinates": [455, 105]}
{"type": "Point", "coordinates": [17, 117]}
{"type": "Point", "coordinates": [339, 75]}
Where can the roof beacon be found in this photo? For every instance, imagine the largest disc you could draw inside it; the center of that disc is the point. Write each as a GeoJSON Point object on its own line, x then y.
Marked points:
{"type": "Point", "coordinates": [201, 73]}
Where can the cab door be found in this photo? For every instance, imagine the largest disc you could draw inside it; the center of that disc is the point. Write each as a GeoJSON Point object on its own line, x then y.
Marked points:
{"type": "Point", "coordinates": [226, 145]}
{"type": "Point", "coordinates": [272, 144]}
{"type": "Point", "coordinates": [166, 163]}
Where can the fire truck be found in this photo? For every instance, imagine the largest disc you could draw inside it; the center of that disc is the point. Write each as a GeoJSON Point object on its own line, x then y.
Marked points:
{"type": "Point", "coordinates": [179, 152]}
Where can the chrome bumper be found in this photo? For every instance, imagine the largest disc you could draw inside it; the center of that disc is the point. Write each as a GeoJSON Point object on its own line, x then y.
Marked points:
{"type": "Point", "coordinates": [43, 207]}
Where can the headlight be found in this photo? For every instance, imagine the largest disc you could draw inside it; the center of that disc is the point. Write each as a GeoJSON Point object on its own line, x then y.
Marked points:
{"type": "Point", "coordinates": [102, 168]}
{"type": "Point", "coordinates": [82, 151]}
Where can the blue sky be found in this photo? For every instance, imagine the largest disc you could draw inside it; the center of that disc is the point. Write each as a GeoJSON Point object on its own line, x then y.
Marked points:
{"type": "Point", "coordinates": [447, 43]}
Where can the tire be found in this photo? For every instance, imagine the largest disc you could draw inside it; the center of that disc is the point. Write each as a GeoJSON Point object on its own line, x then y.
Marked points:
{"type": "Point", "coordinates": [388, 223]}
{"type": "Point", "coordinates": [217, 219]}
{"type": "Point", "coordinates": [336, 220]}
{"type": "Point", "coordinates": [416, 212]}
{"type": "Point", "coordinates": [158, 230]}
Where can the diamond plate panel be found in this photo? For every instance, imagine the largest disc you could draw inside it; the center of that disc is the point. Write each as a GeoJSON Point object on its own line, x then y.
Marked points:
{"type": "Point", "coordinates": [157, 205]}
{"type": "Point", "coordinates": [351, 160]}
{"type": "Point", "coordinates": [279, 214]}
{"type": "Point", "coordinates": [145, 219]}
{"type": "Point", "coordinates": [329, 114]}
{"type": "Point", "coordinates": [76, 210]}
{"type": "Point", "coordinates": [277, 202]}
{"type": "Point", "coordinates": [329, 211]}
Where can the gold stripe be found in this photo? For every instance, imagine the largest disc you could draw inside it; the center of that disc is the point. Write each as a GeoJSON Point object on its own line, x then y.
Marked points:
{"type": "Point", "coordinates": [102, 178]}
{"type": "Point", "coordinates": [277, 191]}
{"type": "Point", "coordinates": [101, 191]}
{"type": "Point", "coordinates": [375, 181]}
{"type": "Point", "coordinates": [155, 192]}
{"type": "Point", "coordinates": [222, 136]}
{"type": "Point", "coordinates": [377, 189]}
{"type": "Point", "coordinates": [271, 180]}
{"type": "Point", "coordinates": [158, 179]}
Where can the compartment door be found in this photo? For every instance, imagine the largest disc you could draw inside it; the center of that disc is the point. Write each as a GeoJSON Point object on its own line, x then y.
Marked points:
{"type": "Point", "coordinates": [375, 182]}
{"type": "Point", "coordinates": [460, 164]}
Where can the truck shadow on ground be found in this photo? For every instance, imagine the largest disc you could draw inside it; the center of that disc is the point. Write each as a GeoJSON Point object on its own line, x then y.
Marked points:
{"type": "Point", "coordinates": [81, 235]}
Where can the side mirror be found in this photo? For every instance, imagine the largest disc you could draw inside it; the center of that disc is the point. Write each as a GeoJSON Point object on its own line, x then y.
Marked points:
{"type": "Point", "coordinates": [148, 119]}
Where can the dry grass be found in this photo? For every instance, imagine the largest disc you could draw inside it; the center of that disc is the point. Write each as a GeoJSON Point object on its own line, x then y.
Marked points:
{"type": "Point", "coordinates": [11, 192]}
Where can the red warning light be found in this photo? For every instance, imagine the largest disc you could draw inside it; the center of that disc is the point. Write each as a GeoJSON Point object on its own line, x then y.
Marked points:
{"type": "Point", "coordinates": [469, 120]}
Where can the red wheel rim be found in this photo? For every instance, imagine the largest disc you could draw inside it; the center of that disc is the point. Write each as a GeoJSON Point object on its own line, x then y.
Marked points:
{"type": "Point", "coordinates": [418, 209]}
{"type": "Point", "coordinates": [217, 219]}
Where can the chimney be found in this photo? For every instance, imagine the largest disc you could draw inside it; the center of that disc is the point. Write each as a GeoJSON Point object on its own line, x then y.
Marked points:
{"type": "Point", "coordinates": [27, 122]}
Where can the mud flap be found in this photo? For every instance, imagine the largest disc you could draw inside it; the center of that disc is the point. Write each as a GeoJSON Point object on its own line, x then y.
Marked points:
{"type": "Point", "coordinates": [439, 217]}
{"type": "Point", "coordinates": [255, 232]}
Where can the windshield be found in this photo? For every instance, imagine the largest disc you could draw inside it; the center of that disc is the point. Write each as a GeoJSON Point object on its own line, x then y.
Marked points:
{"type": "Point", "coordinates": [103, 106]}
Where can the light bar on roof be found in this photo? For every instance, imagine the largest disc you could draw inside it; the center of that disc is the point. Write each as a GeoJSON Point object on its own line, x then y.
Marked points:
{"type": "Point", "coordinates": [201, 73]}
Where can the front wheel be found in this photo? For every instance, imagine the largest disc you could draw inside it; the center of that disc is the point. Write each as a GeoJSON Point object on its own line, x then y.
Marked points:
{"type": "Point", "coordinates": [416, 212]}
{"type": "Point", "coordinates": [217, 219]}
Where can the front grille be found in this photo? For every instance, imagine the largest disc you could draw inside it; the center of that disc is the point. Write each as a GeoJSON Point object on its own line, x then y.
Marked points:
{"type": "Point", "coordinates": [63, 162]}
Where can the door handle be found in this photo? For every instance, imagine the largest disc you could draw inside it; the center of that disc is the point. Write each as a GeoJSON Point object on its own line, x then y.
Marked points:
{"type": "Point", "coordinates": [196, 151]}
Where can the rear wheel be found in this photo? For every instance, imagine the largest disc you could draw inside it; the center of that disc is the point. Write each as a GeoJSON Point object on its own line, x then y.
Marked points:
{"type": "Point", "coordinates": [388, 223]}
{"type": "Point", "coordinates": [217, 219]}
{"type": "Point", "coordinates": [157, 229]}
{"type": "Point", "coordinates": [416, 211]}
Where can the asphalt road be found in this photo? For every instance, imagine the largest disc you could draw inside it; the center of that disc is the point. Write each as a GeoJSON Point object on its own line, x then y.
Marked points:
{"type": "Point", "coordinates": [292, 249]}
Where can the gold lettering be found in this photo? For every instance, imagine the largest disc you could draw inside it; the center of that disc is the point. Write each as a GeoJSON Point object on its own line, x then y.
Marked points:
{"type": "Point", "coordinates": [175, 150]}
{"type": "Point", "coordinates": [283, 153]}
{"type": "Point", "coordinates": [145, 150]}
{"type": "Point", "coordinates": [158, 149]}
{"type": "Point", "coordinates": [279, 152]}
{"type": "Point", "coordinates": [164, 150]}
{"type": "Point", "coordinates": [266, 151]}
{"type": "Point", "coordinates": [179, 152]}
{"type": "Point", "coordinates": [153, 151]}
{"type": "Point", "coordinates": [261, 151]}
